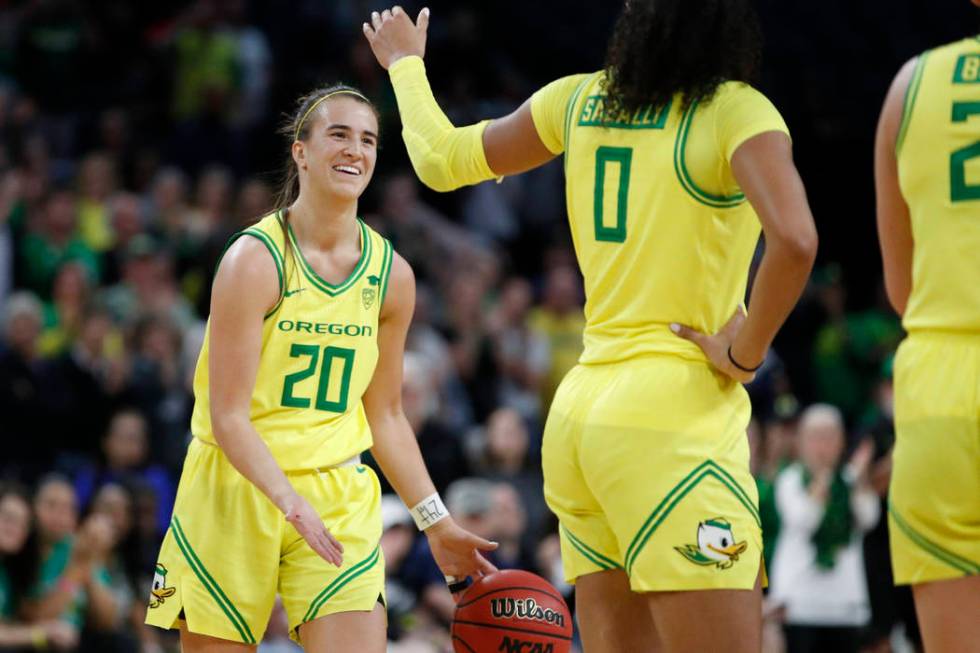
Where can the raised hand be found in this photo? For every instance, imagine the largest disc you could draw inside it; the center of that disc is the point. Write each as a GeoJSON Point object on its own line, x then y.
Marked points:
{"type": "Point", "coordinates": [457, 551]}
{"type": "Point", "coordinates": [392, 35]}
{"type": "Point", "coordinates": [717, 346]}
{"type": "Point", "coordinates": [308, 524]}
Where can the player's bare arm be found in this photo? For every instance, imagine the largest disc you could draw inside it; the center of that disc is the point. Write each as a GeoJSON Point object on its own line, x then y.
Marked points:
{"type": "Point", "coordinates": [894, 225]}
{"type": "Point", "coordinates": [456, 550]}
{"type": "Point", "coordinates": [245, 288]}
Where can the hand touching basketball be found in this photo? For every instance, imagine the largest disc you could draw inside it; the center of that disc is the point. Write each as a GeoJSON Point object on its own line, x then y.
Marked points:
{"type": "Point", "coordinates": [457, 551]}
{"type": "Point", "coordinates": [392, 35]}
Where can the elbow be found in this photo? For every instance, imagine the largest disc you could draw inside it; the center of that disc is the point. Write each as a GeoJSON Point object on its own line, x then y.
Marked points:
{"type": "Point", "coordinates": [798, 247]}
{"type": "Point", "coordinates": [898, 293]}
{"type": "Point", "coordinates": [224, 425]}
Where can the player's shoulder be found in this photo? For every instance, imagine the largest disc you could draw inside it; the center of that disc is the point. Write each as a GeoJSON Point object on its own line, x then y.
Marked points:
{"type": "Point", "coordinates": [952, 50]}
{"type": "Point", "coordinates": [733, 92]}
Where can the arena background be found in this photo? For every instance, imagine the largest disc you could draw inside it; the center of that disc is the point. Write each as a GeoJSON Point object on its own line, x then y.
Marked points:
{"type": "Point", "coordinates": [135, 137]}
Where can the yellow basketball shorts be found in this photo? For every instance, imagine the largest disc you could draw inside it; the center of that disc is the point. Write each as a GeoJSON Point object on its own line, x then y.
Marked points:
{"type": "Point", "coordinates": [229, 550]}
{"type": "Point", "coordinates": [934, 498]}
{"type": "Point", "coordinates": [646, 465]}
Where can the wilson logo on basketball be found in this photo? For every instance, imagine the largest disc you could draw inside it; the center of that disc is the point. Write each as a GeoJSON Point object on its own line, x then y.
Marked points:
{"type": "Point", "coordinates": [517, 646]}
{"type": "Point", "coordinates": [525, 609]}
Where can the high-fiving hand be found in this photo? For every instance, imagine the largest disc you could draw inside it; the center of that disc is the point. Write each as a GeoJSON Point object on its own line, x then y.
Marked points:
{"type": "Point", "coordinates": [393, 35]}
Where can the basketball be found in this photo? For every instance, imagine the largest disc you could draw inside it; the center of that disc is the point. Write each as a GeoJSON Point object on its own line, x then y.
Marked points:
{"type": "Point", "coordinates": [514, 612]}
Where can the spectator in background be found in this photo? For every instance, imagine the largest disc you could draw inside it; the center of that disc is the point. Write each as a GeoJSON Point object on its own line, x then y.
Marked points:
{"type": "Point", "coordinates": [18, 571]}
{"type": "Point", "coordinates": [73, 583]}
{"type": "Point", "coordinates": [825, 508]}
{"type": "Point", "coordinates": [442, 451]}
{"type": "Point", "coordinates": [126, 460]}
{"type": "Point", "coordinates": [126, 218]}
{"type": "Point", "coordinates": [516, 550]}
{"type": "Point", "coordinates": [560, 320]}
{"type": "Point", "coordinates": [52, 240]}
{"type": "Point", "coordinates": [157, 387]}
{"type": "Point", "coordinates": [470, 342]}
{"type": "Point", "coordinates": [22, 401]}
{"type": "Point", "coordinates": [63, 315]}
{"type": "Point", "coordinates": [96, 184]}
{"type": "Point", "coordinates": [522, 354]}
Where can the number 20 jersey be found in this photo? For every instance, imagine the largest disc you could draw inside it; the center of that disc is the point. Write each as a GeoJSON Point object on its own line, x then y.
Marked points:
{"type": "Point", "coordinates": [319, 351]}
{"type": "Point", "coordinates": [938, 153]}
{"type": "Point", "coordinates": [662, 231]}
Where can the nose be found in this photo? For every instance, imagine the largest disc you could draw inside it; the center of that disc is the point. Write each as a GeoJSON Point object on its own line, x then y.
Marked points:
{"type": "Point", "coordinates": [353, 148]}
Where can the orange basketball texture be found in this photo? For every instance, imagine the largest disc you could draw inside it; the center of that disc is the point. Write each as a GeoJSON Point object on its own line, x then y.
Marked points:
{"type": "Point", "coordinates": [512, 611]}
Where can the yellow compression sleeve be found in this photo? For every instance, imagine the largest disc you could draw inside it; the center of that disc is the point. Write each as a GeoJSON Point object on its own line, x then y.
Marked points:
{"type": "Point", "coordinates": [444, 157]}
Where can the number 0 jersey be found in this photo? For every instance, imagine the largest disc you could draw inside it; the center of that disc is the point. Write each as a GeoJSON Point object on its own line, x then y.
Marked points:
{"type": "Point", "coordinates": [319, 350]}
{"type": "Point", "coordinates": [938, 153]}
{"type": "Point", "coordinates": [661, 230]}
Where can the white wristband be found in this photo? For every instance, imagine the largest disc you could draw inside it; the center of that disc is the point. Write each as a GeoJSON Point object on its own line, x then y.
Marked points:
{"type": "Point", "coordinates": [428, 511]}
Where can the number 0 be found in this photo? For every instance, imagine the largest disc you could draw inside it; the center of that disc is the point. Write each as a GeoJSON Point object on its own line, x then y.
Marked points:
{"type": "Point", "coordinates": [603, 157]}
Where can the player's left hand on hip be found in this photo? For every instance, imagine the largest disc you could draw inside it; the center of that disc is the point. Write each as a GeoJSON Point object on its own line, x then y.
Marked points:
{"type": "Point", "coordinates": [393, 35]}
{"type": "Point", "coordinates": [717, 347]}
{"type": "Point", "coordinates": [457, 551]}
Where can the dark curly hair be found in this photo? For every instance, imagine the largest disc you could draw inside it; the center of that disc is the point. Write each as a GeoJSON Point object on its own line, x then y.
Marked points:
{"type": "Point", "coordinates": [663, 47]}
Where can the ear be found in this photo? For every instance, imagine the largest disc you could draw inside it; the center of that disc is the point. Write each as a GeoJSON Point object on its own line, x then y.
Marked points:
{"type": "Point", "coordinates": [299, 154]}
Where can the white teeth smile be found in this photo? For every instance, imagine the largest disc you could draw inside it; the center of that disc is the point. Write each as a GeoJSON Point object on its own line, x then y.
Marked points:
{"type": "Point", "coordinates": [351, 170]}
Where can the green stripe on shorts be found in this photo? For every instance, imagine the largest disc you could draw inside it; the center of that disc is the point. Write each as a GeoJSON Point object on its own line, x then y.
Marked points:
{"type": "Point", "coordinates": [943, 555]}
{"type": "Point", "coordinates": [210, 584]}
{"type": "Point", "coordinates": [339, 582]}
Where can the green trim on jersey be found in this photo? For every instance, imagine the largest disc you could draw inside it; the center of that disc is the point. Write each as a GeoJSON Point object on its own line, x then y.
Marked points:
{"type": "Point", "coordinates": [324, 286]}
{"type": "Point", "coordinates": [570, 111]}
{"type": "Point", "coordinates": [909, 102]}
{"type": "Point", "coordinates": [943, 555]}
{"type": "Point", "coordinates": [678, 492]}
{"type": "Point", "coordinates": [591, 554]}
{"type": "Point", "coordinates": [357, 570]}
{"type": "Point", "coordinates": [236, 618]}
{"type": "Point", "coordinates": [277, 258]}
{"type": "Point", "coordinates": [389, 255]}
{"type": "Point", "coordinates": [684, 176]}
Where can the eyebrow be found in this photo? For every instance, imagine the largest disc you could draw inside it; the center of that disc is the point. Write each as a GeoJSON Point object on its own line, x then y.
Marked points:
{"type": "Point", "coordinates": [348, 128]}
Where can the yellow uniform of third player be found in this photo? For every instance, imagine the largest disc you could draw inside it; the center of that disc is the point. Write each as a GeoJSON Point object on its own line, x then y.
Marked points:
{"type": "Point", "coordinates": [646, 461]}
{"type": "Point", "coordinates": [934, 501]}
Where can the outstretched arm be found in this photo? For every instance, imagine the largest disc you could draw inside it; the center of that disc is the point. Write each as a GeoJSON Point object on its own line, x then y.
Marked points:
{"type": "Point", "coordinates": [446, 157]}
{"type": "Point", "coordinates": [894, 226]}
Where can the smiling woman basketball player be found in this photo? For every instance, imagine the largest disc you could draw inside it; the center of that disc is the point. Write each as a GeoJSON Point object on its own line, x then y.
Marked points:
{"type": "Point", "coordinates": [301, 372]}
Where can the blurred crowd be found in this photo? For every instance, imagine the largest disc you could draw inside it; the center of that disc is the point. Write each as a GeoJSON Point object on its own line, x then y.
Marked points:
{"type": "Point", "coordinates": [135, 139]}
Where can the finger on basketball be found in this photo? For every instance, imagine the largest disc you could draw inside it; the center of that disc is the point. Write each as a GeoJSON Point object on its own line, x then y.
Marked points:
{"type": "Point", "coordinates": [484, 566]}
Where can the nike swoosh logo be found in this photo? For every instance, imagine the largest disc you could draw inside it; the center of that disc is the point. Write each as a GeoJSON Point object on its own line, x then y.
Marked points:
{"type": "Point", "coordinates": [360, 469]}
{"type": "Point", "coordinates": [290, 293]}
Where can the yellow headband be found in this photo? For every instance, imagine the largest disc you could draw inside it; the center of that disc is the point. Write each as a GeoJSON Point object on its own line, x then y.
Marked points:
{"type": "Point", "coordinates": [299, 125]}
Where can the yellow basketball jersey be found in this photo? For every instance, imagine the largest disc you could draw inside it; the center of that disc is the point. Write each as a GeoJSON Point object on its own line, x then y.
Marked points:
{"type": "Point", "coordinates": [319, 350]}
{"type": "Point", "coordinates": [938, 151]}
{"type": "Point", "coordinates": [661, 230]}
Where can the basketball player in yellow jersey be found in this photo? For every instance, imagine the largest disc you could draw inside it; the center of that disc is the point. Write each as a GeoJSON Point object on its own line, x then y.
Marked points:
{"type": "Point", "coordinates": [300, 373]}
{"type": "Point", "coordinates": [671, 164]}
{"type": "Point", "coordinates": [927, 173]}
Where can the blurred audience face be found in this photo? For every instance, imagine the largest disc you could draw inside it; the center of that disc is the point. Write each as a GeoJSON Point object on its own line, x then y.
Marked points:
{"type": "Point", "coordinates": [60, 217]}
{"type": "Point", "coordinates": [126, 220]}
{"type": "Point", "coordinates": [15, 523]}
{"type": "Point", "coordinates": [22, 323]}
{"type": "Point", "coordinates": [71, 284]}
{"type": "Point", "coordinates": [470, 501]}
{"type": "Point", "coordinates": [821, 437]}
{"type": "Point", "coordinates": [114, 502]}
{"type": "Point", "coordinates": [515, 300]}
{"type": "Point", "coordinates": [508, 512]}
{"type": "Point", "coordinates": [126, 444]}
{"type": "Point", "coordinates": [561, 290]}
{"type": "Point", "coordinates": [507, 439]}
{"type": "Point", "coordinates": [56, 508]}
{"type": "Point", "coordinates": [418, 396]}
{"type": "Point", "coordinates": [214, 191]}
{"type": "Point", "coordinates": [96, 176]}
{"type": "Point", "coordinates": [169, 190]}
{"type": "Point", "coordinates": [399, 197]}
{"type": "Point", "coordinates": [254, 201]}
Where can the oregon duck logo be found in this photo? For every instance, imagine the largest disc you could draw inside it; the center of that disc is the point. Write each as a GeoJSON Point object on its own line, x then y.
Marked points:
{"type": "Point", "coordinates": [716, 545]}
{"type": "Point", "coordinates": [367, 296]}
{"type": "Point", "coordinates": [160, 590]}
